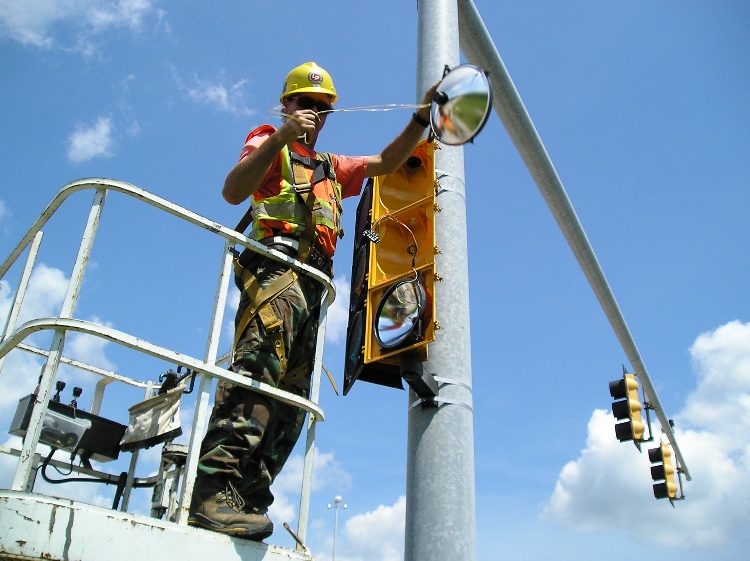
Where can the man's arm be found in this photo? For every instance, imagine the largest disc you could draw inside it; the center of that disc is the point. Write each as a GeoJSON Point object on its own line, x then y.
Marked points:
{"type": "Point", "coordinates": [395, 154]}
{"type": "Point", "coordinates": [247, 174]}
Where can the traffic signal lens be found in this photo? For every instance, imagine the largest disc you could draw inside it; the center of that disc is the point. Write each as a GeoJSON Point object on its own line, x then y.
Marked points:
{"type": "Point", "coordinates": [665, 490]}
{"type": "Point", "coordinates": [617, 389]}
{"type": "Point", "coordinates": [624, 431]}
{"type": "Point", "coordinates": [354, 339]}
{"type": "Point", "coordinates": [625, 387]}
{"type": "Point", "coordinates": [362, 220]}
{"type": "Point", "coordinates": [621, 409]}
{"type": "Point", "coordinates": [359, 280]}
{"type": "Point", "coordinates": [399, 313]}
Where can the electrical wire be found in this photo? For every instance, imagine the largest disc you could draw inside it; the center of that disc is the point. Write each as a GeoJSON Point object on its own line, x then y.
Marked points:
{"type": "Point", "coordinates": [411, 249]}
{"type": "Point", "coordinates": [109, 480]}
{"type": "Point", "coordinates": [384, 107]}
{"type": "Point", "coordinates": [277, 110]}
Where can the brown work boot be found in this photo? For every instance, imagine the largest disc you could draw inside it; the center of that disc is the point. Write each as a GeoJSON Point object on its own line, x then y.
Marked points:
{"type": "Point", "coordinates": [222, 510]}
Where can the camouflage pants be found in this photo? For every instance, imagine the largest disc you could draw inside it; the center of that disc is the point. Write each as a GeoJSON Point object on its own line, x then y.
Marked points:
{"type": "Point", "coordinates": [250, 436]}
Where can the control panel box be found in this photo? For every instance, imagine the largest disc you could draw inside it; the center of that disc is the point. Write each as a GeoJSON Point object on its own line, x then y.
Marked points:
{"type": "Point", "coordinates": [64, 427]}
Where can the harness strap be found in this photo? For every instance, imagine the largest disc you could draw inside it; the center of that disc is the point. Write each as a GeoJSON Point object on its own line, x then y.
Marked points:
{"type": "Point", "coordinates": [303, 189]}
{"type": "Point", "coordinates": [291, 376]}
{"type": "Point", "coordinates": [321, 168]}
{"type": "Point", "coordinates": [260, 306]}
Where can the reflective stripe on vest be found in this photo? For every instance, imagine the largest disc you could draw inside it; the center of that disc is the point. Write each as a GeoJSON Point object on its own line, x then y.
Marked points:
{"type": "Point", "coordinates": [286, 212]}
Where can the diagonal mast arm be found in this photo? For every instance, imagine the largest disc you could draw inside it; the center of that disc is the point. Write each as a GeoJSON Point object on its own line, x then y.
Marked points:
{"type": "Point", "coordinates": [479, 49]}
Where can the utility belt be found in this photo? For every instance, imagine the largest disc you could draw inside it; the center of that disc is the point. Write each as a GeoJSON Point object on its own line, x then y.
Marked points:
{"type": "Point", "coordinates": [288, 245]}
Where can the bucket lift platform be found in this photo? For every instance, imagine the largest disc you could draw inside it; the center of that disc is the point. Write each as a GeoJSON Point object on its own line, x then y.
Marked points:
{"type": "Point", "coordinates": [40, 526]}
{"type": "Point", "coordinates": [35, 526]}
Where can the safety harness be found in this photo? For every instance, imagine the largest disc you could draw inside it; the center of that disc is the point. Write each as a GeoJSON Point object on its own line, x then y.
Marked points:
{"type": "Point", "coordinates": [300, 175]}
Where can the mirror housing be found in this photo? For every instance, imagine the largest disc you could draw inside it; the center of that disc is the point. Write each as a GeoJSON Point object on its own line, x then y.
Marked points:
{"type": "Point", "coordinates": [460, 105]}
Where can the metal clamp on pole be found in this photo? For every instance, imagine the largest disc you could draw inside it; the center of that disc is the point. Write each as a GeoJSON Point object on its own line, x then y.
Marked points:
{"type": "Point", "coordinates": [441, 188]}
{"type": "Point", "coordinates": [437, 401]}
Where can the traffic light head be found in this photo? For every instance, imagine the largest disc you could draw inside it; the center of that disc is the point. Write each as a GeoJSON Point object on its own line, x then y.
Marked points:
{"type": "Point", "coordinates": [401, 271]}
{"type": "Point", "coordinates": [663, 472]}
{"type": "Point", "coordinates": [392, 306]}
{"type": "Point", "coordinates": [627, 408]}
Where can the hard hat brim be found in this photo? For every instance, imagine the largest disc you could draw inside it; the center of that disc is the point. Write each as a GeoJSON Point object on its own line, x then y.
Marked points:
{"type": "Point", "coordinates": [298, 91]}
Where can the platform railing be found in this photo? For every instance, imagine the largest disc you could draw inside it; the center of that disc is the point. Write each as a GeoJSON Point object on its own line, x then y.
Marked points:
{"type": "Point", "coordinates": [207, 370]}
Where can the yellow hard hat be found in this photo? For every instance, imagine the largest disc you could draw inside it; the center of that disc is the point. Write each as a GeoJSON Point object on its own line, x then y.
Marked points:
{"type": "Point", "coordinates": [308, 78]}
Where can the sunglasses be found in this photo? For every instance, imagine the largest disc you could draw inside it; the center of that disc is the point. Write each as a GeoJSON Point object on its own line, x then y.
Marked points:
{"type": "Point", "coordinates": [309, 103]}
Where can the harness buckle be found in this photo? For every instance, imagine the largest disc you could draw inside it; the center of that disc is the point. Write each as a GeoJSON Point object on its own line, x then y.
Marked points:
{"type": "Point", "coordinates": [303, 188]}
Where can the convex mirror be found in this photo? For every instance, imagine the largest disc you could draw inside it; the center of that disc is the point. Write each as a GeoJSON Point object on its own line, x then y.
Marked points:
{"type": "Point", "coordinates": [461, 105]}
{"type": "Point", "coordinates": [399, 313]}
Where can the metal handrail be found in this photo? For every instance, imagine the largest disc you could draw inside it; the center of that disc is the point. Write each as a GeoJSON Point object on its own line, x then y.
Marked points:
{"type": "Point", "coordinates": [163, 204]}
{"type": "Point", "coordinates": [143, 346]}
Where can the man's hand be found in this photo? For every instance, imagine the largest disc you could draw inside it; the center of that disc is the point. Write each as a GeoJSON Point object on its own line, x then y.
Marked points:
{"type": "Point", "coordinates": [424, 112]}
{"type": "Point", "coordinates": [303, 122]}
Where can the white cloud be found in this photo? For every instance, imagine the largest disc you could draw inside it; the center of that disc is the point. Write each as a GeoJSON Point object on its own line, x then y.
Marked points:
{"type": "Point", "coordinates": [29, 22]}
{"type": "Point", "coordinates": [218, 94]}
{"type": "Point", "coordinates": [609, 485]}
{"type": "Point", "coordinates": [90, 142]}
{"type": "Point", "coordinates": [36, 22]}
{"type": "Point", "coordinates": [24, 369]}
{"type": "Point", "coordinates": [123, 13]}
{"type": "Point", "coordinates": [89, 349]}
{"type": "Point", "coordinates": [375, 536]}
{"type": "Point", "coordinates": [43, 298]}
{"type": "Point", "coordinates": [286, 488]}
{"type": "Point", "coordinates": [721, 402]}
{"type": "Point", "coordinates": [44, 295]}
{"type": "Point", "coordinates": [338, 312]}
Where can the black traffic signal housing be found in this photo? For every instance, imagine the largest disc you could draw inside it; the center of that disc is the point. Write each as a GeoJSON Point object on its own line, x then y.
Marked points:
{"type": "Point", "coordinates": [627, 408]}
{"type": "Point", "coordinates": [663, 473]}
{"type": "Point", "coordinates": [392, 304]}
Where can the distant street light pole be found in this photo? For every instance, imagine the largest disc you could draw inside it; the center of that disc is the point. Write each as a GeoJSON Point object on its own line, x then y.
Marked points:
{"type": "Point", "coordinates": [338, 503]}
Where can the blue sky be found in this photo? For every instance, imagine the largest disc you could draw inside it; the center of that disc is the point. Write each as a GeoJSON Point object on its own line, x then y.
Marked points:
{"type": "Point", "coordinates": [643, 108]}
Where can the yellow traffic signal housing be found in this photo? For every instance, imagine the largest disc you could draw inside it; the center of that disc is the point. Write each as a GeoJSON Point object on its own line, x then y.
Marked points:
{"type": "Point", "coordinates": [392, 304]}
{"type": "Point", "coordinates": [663, 472]}
{"type": "Point", "coordinates": [403, 217]}
{"type": "Point", "coordinates": [627, 408]}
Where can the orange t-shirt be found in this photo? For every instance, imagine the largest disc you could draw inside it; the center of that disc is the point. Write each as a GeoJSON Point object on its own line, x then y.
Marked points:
{"type": "Point", "coordinates": [350, 170]}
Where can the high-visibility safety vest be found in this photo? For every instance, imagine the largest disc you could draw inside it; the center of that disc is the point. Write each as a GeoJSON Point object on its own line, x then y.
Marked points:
{"type": "Point", "coordinates": [309, 195]}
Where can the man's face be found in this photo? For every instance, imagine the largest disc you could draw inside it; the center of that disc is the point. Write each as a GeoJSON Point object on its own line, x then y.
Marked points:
{"type": "Point", "coordinates": [318, 102]}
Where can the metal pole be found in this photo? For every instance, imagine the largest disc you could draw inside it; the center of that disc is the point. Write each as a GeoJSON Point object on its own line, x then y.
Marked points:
{"type": "Point", "coordinates": [23, 284]}
{"type": "Point", "coordinates": [479, 49]}
{"type": "Point", "coordinates": [337, 503]}
{"type": "Point", "coordinates": [312, 424]}
{"type": "Point", "coordinates": [440, 503]}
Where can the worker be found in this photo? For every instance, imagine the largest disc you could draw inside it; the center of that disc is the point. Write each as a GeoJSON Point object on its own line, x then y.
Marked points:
{"type": "Point", "coordinates": [296, 197]}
